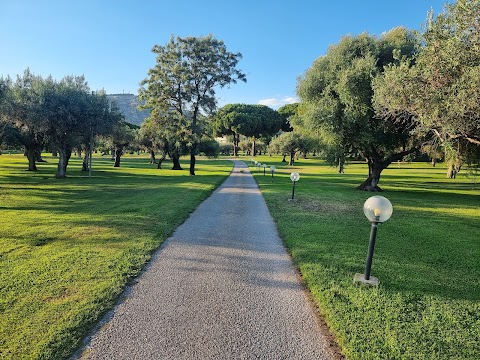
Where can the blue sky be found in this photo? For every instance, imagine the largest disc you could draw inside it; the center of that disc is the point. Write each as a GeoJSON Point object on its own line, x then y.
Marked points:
{"type": "Point", "coordinates": [110, 42]}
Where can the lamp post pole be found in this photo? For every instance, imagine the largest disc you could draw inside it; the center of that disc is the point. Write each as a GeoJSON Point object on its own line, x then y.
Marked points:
{"type": "Point", "coordinates": [371, 247]}
{"type": "Point", "coordinates": [377, 209]}
{"type": "Point", "coordinates": [272, 169]}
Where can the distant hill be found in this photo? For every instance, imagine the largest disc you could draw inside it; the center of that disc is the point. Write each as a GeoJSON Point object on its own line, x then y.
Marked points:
{"type": "Point", "coordinates": [127, 103]}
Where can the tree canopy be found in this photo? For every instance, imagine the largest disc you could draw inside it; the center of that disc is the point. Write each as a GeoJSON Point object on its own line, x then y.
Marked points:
{"type": "Point", "coordinates": [441, 87]}
{"type": "Point", "coordinates": [253, 121]}
{"type": "Point", "coordinates": [63, 114]}
{"type": "Point", "coordinates": [184, 81]}
{"type": "Point", "coordinates": [336, 92]}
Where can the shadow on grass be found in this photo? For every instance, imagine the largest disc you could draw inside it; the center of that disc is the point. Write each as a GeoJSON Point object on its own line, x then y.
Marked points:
{"type": "Point", "coordinates": [417, 251]}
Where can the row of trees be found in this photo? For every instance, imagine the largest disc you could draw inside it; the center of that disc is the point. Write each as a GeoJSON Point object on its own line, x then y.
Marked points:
{"type": "Point", "coordinates": [376, 98]}
{"type": "Point", "coordinates": [61, 116]}
{"type": "Point", "coordinates": [382, 99]}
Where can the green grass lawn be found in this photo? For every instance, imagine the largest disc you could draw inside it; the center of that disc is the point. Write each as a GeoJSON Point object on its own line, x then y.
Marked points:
{"type": "Point", "coordinates": [427, 257]}
{"type": "Point", "coordinates": [68, 247]}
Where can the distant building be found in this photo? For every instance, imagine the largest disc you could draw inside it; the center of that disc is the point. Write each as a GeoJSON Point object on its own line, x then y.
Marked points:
{"type": "Point", "coordinates": [128, 105]}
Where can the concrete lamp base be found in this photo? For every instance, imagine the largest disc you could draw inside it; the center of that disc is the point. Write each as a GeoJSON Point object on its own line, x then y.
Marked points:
{"type": "Point", "coordinates": [360, 278]}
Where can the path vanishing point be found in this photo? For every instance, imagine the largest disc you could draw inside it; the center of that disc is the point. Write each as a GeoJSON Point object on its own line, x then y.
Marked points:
{"type": "Point", "coordinates": [221, 287]}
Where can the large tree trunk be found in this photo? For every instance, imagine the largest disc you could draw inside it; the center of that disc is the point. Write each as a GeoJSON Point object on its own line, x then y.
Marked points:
{"type": "Point", "coordinates": [30, 153]}
{"type": "Point", "coordinates": [375, 168]}
{"type": "Point", "coordinates": [254, 148]}
{"type": "Point", "coordinates": [118, 154]}
{"type": "Point", "coordinates": [192, 162]}
{"type": "Point", "coordinates": [341, 165]}
{"type": "Point", "coordinates": [453, 170]}
{"type": "Point", "coordinates": [236, 140]}
{"type": "Point", "coordinates": [85, 162]}
{"type": "Point", "coordinates": [176, 161]}
{"type": "Point", "coordinates": [284, 156]}
{"type": "Point", "coordinates": [152, 157]}
{"type": "Point", "coordinates": [38, 156]}
{"type": "Point", "coordinates": [65, 152]}
{"type": "Point", "coordinates": [292, 158]}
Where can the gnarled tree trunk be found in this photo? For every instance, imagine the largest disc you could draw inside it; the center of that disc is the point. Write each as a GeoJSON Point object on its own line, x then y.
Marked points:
{"type": "Point", "coordinates": [85, 162]}
{"type": "Point", "coordinates": [375, 168]}
{"type": "Point", "coordinates": [453, 170]}
{"type": "Point", "coordinates": [38, 156]}
{"type": "Point", "coordinates": [65, 152]}
{"type": "Point", "coordinates": [176, 161]}
{"type": "Point", "coordinates": [118, 154]}
{"type": "Point", "coordinates": [292, 158]}
{"type": "Point", "coordinates": [30, 153]}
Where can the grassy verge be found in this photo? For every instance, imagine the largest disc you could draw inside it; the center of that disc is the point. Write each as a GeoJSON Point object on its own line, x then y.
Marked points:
{"type": "Point", "coordinates": [68, 247]}
{"type": "Point", "coordinates": [427, 257]}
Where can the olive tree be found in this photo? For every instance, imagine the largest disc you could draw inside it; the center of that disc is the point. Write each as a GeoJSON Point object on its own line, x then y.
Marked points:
{"type": "Point", "coordinates": [441, 88]}
{"type": "Point", "coordinates": [337, 92]}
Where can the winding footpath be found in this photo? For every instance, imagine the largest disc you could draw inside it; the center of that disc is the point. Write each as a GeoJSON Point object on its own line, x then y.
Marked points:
{"type": "Point", "coordinates": [221, 287]}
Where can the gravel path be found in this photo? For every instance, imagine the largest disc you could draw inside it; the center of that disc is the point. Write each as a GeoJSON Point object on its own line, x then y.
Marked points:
{"type": "Point", "coordinates": [222, 287]}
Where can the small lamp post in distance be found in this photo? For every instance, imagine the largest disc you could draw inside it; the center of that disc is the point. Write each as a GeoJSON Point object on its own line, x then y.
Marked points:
{"type": "Point", "coordinates": [272, 169]}
{"type": "Point", "coordinates": [377, 209]}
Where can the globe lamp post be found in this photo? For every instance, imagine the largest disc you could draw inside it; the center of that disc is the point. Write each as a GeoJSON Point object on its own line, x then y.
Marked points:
{"type": "Point", "coordinates": [377, 209]}
{"type": "Point", "coordinates": [294, 177]}
{"type": "Point", "coordinates": [264, 168]}
{"type": "Point", "coordinates": [272, 169]}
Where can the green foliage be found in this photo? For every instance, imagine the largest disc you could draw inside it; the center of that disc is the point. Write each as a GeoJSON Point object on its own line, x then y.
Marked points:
{"type": "Point", "coordinates": [441, 88]}
{"type": "Point", "coordinates": [337, 101]}
{"type": "Point", "coordinates": [290, 143]}
{"type": "Point", "coordinates": [426, 258]}
{"type": "Point", "coordinates": [287, 112]}
{"type": "Point", "coordinates": [62, 114]}
{"type": "Point", "coordinates": [209, 147]}
{"type": "Point", "coordinates": [66, 252]}
{"type": "Point", "coordinates": [183, 82]}
{"type": "Point", "coordinates": [248, 120]}
{"type": "Point", "coordinates": [254, 121]}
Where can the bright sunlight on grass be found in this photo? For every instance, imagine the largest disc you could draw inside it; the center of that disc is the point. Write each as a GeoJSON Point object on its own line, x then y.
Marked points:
{"type": "Point", "coordinates": [68, 247]}
{"type": "Point", "coordinates": [427, 257]}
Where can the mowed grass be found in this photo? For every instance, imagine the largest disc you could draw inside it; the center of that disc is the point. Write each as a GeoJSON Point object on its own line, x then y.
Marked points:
{"type": "Point", "coordinates": [427, 256]}
{"type": "Point", "coordinates": [68, 247]}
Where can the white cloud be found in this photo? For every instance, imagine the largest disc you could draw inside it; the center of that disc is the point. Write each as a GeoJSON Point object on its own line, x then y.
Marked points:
{"type": "Point", "coordinates": [277, 102]}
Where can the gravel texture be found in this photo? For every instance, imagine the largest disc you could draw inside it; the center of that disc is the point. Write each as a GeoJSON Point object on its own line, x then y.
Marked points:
{"type": "Point", "coordinates": [222, 287]}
